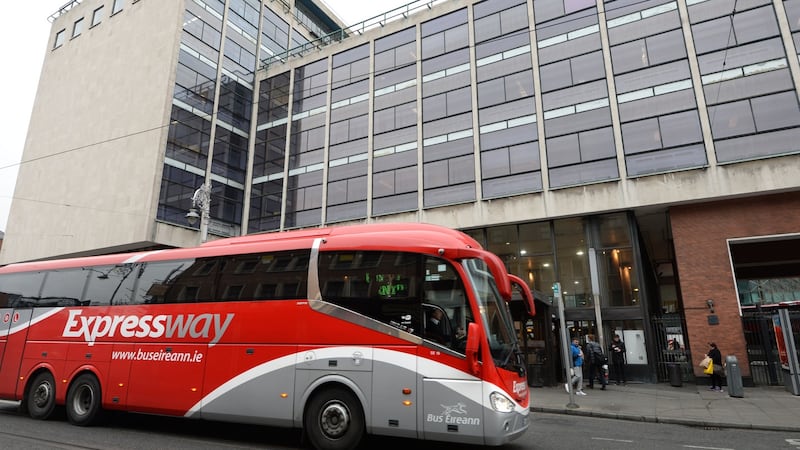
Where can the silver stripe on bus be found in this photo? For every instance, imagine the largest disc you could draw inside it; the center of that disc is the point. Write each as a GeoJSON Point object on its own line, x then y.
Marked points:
{"type": "Point", "coordinates": [314, 292]}
{"type": "Point", "coordinates": [40, 316]}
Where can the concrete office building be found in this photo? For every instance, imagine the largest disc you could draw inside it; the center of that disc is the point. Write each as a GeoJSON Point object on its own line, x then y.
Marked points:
{"type": "Point", "coordinates": [643, 154]}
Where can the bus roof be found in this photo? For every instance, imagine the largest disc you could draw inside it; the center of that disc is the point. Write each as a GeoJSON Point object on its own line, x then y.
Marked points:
{"type": "Point", "coordinates": [417, 237]}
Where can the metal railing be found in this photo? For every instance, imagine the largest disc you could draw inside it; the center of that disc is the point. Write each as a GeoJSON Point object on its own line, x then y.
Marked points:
{"type": "Point", "coordinates": [67, 6]}
{"type": "Point", "coordinates": [378, 21]}
{"type": "Point", "coordinates": [762, 346]}
{"type": "Point", "coordinates": [669, 328]}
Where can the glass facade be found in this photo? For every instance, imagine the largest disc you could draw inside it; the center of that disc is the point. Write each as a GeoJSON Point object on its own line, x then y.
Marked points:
{"type": "Point", "coordinates": [448, 155]}
{"type": "Point", "coordinates": [657, 109]}
{"type": "Point", "coordinates": [599, 268]}
{"type": "Point", "coordinates": [307, 146]}
{"type": "Point", "coordinates": [575, 100]}
{"type": "Point", "coordinates": [492, 100]}
{"type": "Point", "coordinates": [395, 112]}
{"type": "Point", "coordinates": [560, 250]}
{"type": "Point", "coordinates": [348, 133]}
{"type": "Point", "coordinates": [212, 114]}
{"type": "Point", "coordinates": [509, 151]}
{"type": "Point", "coordinates": [751, 98]}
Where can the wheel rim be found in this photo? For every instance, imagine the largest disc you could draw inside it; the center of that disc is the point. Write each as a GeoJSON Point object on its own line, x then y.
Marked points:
{"type": "Point", "coordinates": [82, 402]}
{"type": "Point", "coordinates": [334, 419]}
{"type": "Point", "coordinates": [43, 394]}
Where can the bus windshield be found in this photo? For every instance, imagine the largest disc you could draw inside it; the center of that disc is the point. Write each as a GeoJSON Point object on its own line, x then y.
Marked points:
{"type": "Point", "coordinates": [497, 321]}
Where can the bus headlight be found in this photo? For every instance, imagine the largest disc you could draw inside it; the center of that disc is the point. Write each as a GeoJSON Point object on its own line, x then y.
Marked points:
{"type": "Point", "coordinates": [500, 402]}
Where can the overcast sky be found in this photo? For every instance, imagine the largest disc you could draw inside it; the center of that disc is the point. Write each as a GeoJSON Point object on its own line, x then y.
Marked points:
{"type": "Point", "coordinates": [24, 37]}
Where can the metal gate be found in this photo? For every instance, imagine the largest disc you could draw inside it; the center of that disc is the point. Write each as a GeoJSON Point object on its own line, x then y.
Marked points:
{"type": "Point", "coordinates": [762, 348]}
{"type": "Point", "coordinates": [671, 347]}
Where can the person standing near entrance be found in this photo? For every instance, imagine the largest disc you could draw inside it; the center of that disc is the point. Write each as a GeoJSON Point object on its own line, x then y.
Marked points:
{"type": "Point", "coordinates": [596, 361]}
{"type": "Point", "coordinates": [577, 368]}
{"type": "Point", "coordinates": [617, 351]}
{"type": "Point", "coordinates": [716, 375]}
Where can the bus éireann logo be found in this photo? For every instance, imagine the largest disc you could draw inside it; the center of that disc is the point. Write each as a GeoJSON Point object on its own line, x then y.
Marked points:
{"type": "Point", "coordinates": [459, 408]}
{"type": "Point", "coordinates": [451, 415]}
{"type": "Point", "coordinates": [147, 326]}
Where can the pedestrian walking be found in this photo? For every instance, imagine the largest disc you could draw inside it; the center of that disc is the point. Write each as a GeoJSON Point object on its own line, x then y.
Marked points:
{"type": "Point", "coordinates": [597, 359]}
{"type": "Point", "coordinates": [617, 351]}
{"type": "Point", "coordinates": [716, 374]}
{"type": "Point", "coordinates": [577, 368]}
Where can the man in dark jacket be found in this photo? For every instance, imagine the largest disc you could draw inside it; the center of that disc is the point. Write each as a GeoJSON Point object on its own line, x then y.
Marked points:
{"type": "Point", "coordinates": [596, 361]}
{"type": "Point", "coordinates": [617, 350]}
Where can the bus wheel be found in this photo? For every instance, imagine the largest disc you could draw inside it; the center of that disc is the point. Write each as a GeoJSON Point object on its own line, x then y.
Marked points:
{"type": "Point", "coordinates": [40, 400]}
{"type": "Point", "coordinates": [84, 400]}
{"type": "Point", "coordinates": [334, 420]}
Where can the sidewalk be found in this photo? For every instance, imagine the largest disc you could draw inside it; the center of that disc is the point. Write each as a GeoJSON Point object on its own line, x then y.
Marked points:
{"type": "Point", "coordinates": [763, 408]}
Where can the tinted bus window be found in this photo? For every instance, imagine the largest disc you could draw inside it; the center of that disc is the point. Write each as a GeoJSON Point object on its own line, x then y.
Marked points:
{"type": "Point", "coordinates": [445, 301]}
{"type": "Point", "coordinates": [382, 285]}
{"type": "Point", "coordinates": [20, 290]}
{"type": "Point", "coordinates": [154, 282]}
{"type": "Point", "coordinates": [274, 276]}
{"type": "Point", "coordinates": [63, 287]}
{"type": "Point", "coordinates": [104, 283]}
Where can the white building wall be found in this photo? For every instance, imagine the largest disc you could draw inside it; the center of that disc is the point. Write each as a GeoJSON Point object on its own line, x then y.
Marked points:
{"type": "Point", "coordinates": [91, 167]}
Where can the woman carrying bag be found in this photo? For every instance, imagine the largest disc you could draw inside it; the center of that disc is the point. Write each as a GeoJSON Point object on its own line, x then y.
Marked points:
{"type": "Point", "coordinates": [714, 368]}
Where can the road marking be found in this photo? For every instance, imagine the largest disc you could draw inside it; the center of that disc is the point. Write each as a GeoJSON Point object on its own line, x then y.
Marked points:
{"type": "Point", "coordinates": [794, 442]}
{"type": "Point", "coordinates": [609, 439]}
{"type": "Point", "coordinates": [707, 448]}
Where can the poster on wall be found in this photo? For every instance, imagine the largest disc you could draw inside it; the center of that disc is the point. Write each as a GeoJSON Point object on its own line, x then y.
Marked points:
{"type": "Point", "coordinates": [636, 352]}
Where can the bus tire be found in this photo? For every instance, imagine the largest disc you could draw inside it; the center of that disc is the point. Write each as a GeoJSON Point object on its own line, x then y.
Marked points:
{"type": "Point", "coordinates": [334, 420]}
{"type": "Point", "coordinates": [40, 400]}
{"type": "Point", "coordinates": [84, 401]}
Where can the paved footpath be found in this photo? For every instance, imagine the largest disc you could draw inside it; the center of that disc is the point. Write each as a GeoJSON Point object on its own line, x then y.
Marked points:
{"type": "Point", "coordinates": [763, 408]}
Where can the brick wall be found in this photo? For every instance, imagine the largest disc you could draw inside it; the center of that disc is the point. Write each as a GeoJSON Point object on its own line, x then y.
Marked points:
{"type": "Point", "coordinates": [704, 267]}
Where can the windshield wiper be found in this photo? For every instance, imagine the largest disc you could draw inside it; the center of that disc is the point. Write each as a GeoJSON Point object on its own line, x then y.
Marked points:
{"type": "Point", "coordinates": [518, 364]}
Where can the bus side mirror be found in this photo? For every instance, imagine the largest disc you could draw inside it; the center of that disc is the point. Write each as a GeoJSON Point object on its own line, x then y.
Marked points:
{"type": "Point", "coordinates": [527, 297]}
{"type": "Point", "coordinates": [474, 338]}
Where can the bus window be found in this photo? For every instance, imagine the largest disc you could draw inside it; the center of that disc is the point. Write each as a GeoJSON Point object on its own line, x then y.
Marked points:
{"type": "Point", "coordinates": [275, 276]}
{"type": "Point", "coordinates": [20, 290]}
{"type": "Point", "coordinates": [447, 311]}
{"type": "Point", "coordinates": [104, 283]}
{"type": "Point", "coordinates": [154, 283]}
{"type": "Point", "coordinates": [63, 287]}
{"type": "Point", "coordinates": [380, 285]}
{"type": "Point", "coordinates": [498, 324]}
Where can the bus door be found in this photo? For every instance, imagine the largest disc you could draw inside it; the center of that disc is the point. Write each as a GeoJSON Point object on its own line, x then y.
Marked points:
{"type": "Point", "coordinates": [5, 325]}
{"type": "Point", "coordinates": [395, 397]}
{"type": "Point", "coordinates": [450, 407]}
{"type": "Point", "coordinates": [14, 325]}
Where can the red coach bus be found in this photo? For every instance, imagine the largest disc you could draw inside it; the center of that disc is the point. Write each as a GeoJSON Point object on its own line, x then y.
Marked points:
{"type": "Point", "coordinates": [390, 329]}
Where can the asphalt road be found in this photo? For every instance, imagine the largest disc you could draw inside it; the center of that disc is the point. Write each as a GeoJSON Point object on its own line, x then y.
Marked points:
{"type": "Point", "coordinates": [548, 431]}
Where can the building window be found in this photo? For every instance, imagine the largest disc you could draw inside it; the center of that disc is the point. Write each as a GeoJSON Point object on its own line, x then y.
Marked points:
{"type": "Point", "coordinates": [577, 113]}
{"type": "Point", "coordinates": [97, 16]}
{"type": "Point", "coordinates": [751, 100]}
{"type": "Point", "coordinates": [447, 146]}
{"type": "Point", "coordinates": [117, 7]}
{"type": "Point", "coordinates": [77, 28]}
{"type": "Point", "coordinates": [59, 39]}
